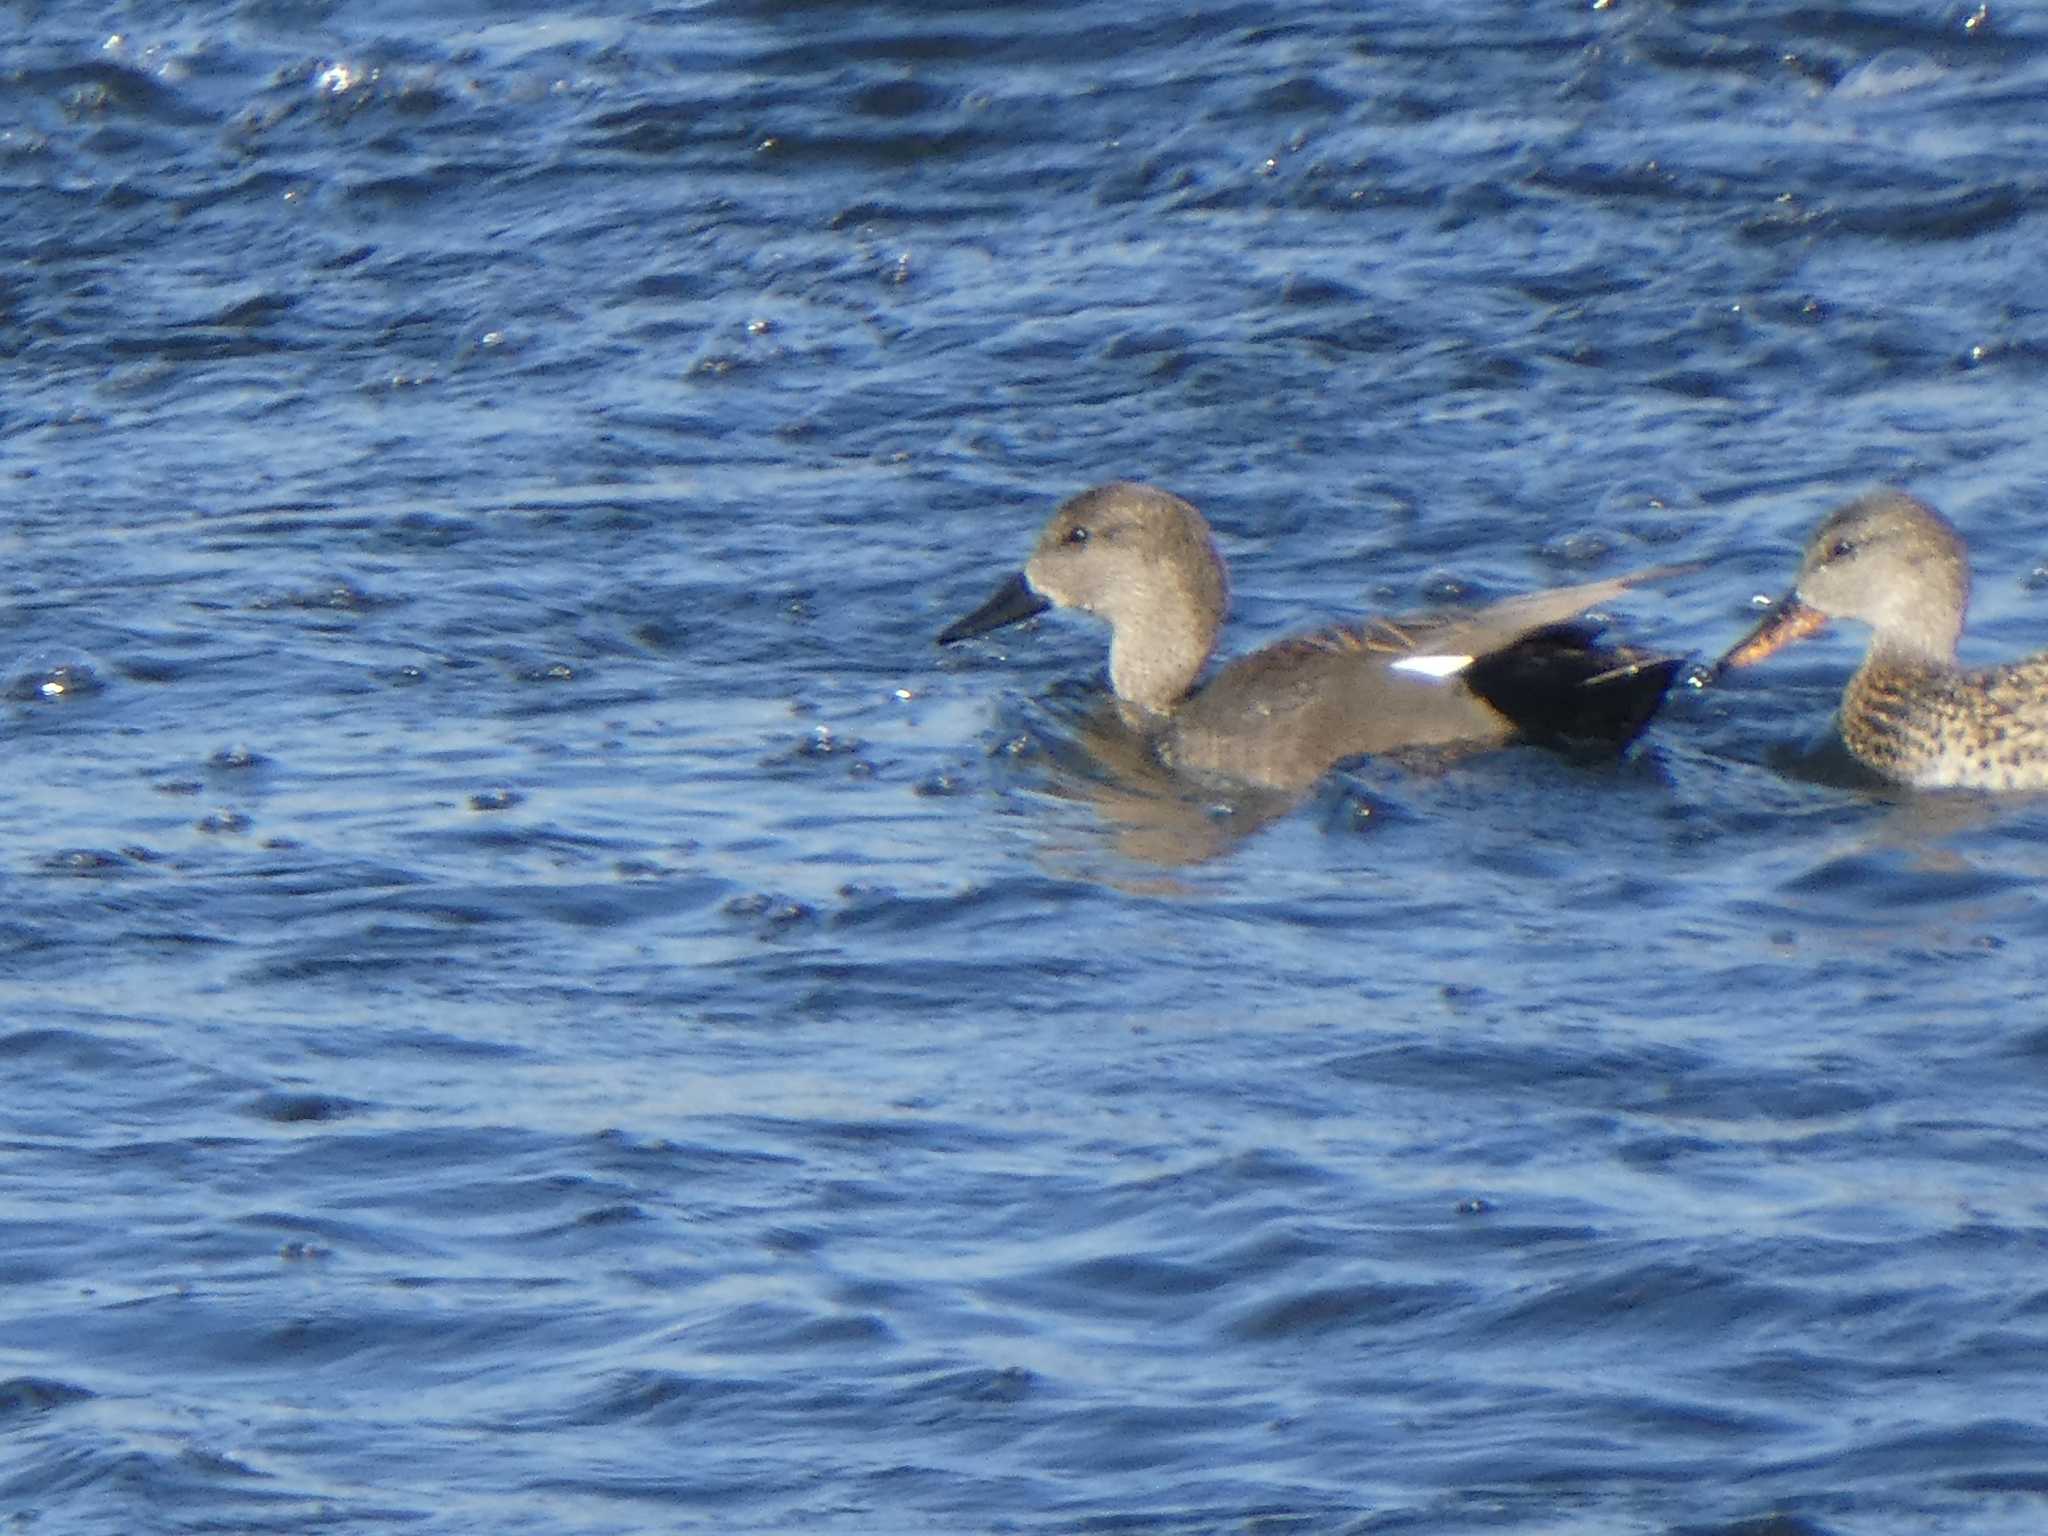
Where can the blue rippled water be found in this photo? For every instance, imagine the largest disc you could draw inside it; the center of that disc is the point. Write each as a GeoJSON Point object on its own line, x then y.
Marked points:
{"type": "Point", "coordinates": [536, 1000]}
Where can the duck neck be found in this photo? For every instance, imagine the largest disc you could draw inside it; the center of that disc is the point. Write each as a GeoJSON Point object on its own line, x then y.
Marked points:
{"type": "Point", "coordinates": [1153, 664]}
{"type": "Point", "coordinates": [1923, 640]}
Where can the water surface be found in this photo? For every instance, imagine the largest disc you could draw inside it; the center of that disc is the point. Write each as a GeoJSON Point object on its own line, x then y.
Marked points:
{"type": "Point", "coordinates": [536, 999]}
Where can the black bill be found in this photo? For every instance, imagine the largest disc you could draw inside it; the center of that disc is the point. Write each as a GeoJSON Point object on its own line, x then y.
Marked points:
{"type": "Point", "coordinates": [1013, 601]}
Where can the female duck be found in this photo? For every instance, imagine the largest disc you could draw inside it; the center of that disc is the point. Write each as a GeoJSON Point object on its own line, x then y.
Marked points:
{"type": "Point", "coordinates": [1891, 561]}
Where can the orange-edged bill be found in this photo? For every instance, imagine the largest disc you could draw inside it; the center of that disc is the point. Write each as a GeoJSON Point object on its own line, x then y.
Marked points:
{"type": "Point", "coordinates": [1788, 619]}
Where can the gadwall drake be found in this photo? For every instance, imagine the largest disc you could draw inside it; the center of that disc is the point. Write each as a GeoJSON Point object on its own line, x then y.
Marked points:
{"type": "Point", "coordinates": [1279, 718]}
{"type": "Point", "coordinates": [1891, 561]}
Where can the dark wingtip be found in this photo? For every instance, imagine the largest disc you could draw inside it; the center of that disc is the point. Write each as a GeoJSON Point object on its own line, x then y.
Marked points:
{"type": "Point", "coordinates": [1013, 601]}
{"type": "Point", "coordinates": [1619, 704]}
{"type": "Point", "coordinates": [1561, 689]}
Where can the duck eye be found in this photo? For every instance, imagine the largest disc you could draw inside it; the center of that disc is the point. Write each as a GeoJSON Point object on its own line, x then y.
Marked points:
{"type": "Point", "coordinates": [1078, 534]}
{"type": "Point", "coordinates": [1841, 549]}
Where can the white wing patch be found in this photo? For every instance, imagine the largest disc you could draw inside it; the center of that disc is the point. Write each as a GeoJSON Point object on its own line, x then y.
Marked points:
{"type": "Point", "coordinates": [1431, 666]}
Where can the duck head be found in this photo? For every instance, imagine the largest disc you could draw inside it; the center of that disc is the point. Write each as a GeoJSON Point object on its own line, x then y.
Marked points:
{"type": "Point", "coordinates": [1139, 558]}
{"type": "Point", "coordinates": [1888, 560]}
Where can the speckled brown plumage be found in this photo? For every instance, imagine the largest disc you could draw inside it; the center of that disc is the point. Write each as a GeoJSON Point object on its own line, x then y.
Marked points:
{"type": "Point", "coordinates": [1894, 563]}
{"type": "Point", "coordinates": [1943, 727]}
